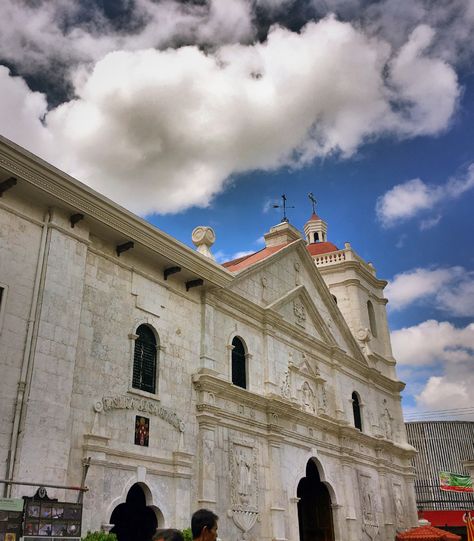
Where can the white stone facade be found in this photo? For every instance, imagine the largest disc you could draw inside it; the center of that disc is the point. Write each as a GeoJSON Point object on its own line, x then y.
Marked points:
{"type": "Point", "coordinates": [69, 314]}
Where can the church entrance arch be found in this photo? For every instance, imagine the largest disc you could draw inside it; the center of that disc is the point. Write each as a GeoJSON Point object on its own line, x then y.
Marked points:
{"type": "Point", "coordinates": [134, 520]}
{"type": "Point", "coordinates": [314, 507]}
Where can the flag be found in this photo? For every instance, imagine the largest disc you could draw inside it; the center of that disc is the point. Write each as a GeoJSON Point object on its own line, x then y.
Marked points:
{"type": "Point", "coordinates": [469, 520]}
{"type": "Point", "coordinates": [454, 482]}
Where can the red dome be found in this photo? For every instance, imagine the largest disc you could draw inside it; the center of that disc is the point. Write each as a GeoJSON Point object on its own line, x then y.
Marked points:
{"type": "Point", "coordinates": [317, 248]}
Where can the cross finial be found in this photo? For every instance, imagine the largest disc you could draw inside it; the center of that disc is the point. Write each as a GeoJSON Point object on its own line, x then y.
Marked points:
{"type": "Point", "coordinates": [284, 207]}
{"type": "Point", "coordinates": [313, 201]}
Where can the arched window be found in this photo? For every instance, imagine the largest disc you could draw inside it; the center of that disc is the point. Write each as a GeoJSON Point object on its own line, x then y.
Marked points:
{"type": "Point", "coordinates": [316, 236]}
{"type": "Point", "coordinates": [239, 369]}
{"type": "Point", "coordinates": [356, 410]}
{"type": "Point", "coordinates": [372, 321]}
{"type": "Point", "coordinates": [145, 360]}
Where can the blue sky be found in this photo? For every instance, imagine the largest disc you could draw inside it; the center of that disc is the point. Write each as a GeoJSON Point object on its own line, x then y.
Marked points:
{"type": "Point", "coordinates": [206, 112]}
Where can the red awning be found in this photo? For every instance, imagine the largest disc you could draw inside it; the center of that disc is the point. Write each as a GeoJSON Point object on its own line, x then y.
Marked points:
{"type": "Point", "coordinates": [427, 533]}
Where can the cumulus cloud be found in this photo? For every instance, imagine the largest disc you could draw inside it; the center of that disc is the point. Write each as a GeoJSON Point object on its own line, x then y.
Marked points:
{"type": "Point", "coordinates": [41, 35]}
{"type": "Point", "coordinates": [432, 342]}
{"type": "Point", "coordinates": [440, 358]}
{"type": "Point", "coordinates": [164, 130]}
{"type": "Point", "coordinates": [407, 200]}
{"type": "Point", "coordinates": [449, 289]}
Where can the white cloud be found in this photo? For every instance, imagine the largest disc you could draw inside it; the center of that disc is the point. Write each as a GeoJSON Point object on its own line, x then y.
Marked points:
{"type": "Point", "coordinates": [433, 342]}
{"type": "Point", "coordinates": [450, 289]}
{"type": "Point", "coordinates": [41, 34]}
{"type": "Point", "coordinates": [408, 199]}
{"type": "Point", "coordinates": [429, 223]}
{"type": "Point", "coordinates": [447, 392]}
{"type": "Point", "coordinates": [441, 362]}
{"type": "Point", "coordinates": [164, 130]}
{"type": "Point", "coordinates": [21, 112]}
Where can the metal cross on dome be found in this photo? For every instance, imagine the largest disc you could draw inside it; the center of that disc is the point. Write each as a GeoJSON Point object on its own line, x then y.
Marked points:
{"type": "Point", "coordinates": [284, 207]}
{"type": "Point", "coordinates": [313, 201]}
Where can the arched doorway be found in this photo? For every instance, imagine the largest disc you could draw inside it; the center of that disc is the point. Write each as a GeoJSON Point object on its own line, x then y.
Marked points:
{"type": "Point", "coordinates": [314, 507]}
{"type": "Point", "coordinates": [133, 520]}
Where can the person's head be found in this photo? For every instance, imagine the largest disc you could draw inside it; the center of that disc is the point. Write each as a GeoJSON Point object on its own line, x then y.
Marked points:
{"type": "Point", "coordinates": [204, 525]}
{"type": "Point", "coordinates": [169, 534]}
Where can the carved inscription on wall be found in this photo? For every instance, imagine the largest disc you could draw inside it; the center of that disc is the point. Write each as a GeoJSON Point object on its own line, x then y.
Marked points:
{"type": "Point", "coordinates": [108, 403]}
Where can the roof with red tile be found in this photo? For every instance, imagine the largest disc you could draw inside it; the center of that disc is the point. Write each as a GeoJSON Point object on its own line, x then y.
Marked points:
{"type": "Point", "coordinates": [427, 533]}
{"type": "Point", "coordinates": [248, 260]}
{"type": "Point", "coordinates": [314, 218]}
{"type": "Point", "coordinates": [317, 248]}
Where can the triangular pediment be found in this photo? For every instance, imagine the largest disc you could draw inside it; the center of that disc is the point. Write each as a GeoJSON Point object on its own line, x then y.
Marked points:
{"type": "Point", "coordinates": [288, 283]}
{"type": "Point", "coordinates": [298, 308]}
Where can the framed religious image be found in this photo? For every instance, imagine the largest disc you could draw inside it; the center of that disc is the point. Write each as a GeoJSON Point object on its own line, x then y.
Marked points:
{"type": "Point", "coordinates": [72, 512]}
{"type": "Point", "coordinates": [45, 528]}
{"type": "Point", "coordinates": [31, 528]}
{"type": "Point", "coordinates": [59, 529]}
{"type": "Point", "coordinates": [33, 511]}
{"type": "Point", "coordinates": [45, 511]}
{"type": "Point", "coordinates": [73, 529]}
{"type": "Point", "coordinates": [10, 537]}
{"type": "Point", "coordinates": [142, 430]}
{"type": "Point", "coordinates": [57, 512]}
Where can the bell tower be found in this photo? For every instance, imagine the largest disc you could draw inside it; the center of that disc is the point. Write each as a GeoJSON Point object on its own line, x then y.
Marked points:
{"type": "Point", "coordinates": [315, 229]}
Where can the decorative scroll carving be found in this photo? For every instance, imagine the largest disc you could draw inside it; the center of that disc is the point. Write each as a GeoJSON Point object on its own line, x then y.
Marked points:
{"type": "Point", "coordinates": [300, 312]}
{"type": "Point", "coordinates": [244, 486]}
{"type": "Point", "coordinates": [108, 403]}
{"type": "Point", "coordinates": [364, 336]}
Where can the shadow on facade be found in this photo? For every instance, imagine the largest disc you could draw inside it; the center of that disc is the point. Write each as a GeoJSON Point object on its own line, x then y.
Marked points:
{"type": "Point", "coordinates": [314, 507]}
{"type": "Point", "coordinates": [134, 520]}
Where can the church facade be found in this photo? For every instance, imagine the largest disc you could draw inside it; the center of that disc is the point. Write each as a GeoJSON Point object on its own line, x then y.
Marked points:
{"type": "Point", "coordinates": [263, 389]}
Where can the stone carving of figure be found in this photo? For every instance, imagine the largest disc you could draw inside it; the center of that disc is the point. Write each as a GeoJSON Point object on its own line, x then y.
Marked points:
{"type": "Point", "coordinates": [285, 386]}
{"type": "Point", "coordinates": [245, 473]}
{"type": "Point", "coordinates": [367, 501]}
{"type": "Point", "coordinates": [322, 399]}
{"type": "Point", "coordinates": [387, 424]}
{"type": "Point", "coordinates": [307, 397]}
{"type": "Point", "coordinates": [399, 508]}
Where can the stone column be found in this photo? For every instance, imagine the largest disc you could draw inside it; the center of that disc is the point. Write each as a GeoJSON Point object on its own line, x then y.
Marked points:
{"type": "Point", "coordinates": [350, 498]}
{"type": "Point", "coordinates": [207, 358]}
{"type": "Point", "coordinates": [207, 464]}
{"type": "Point", "coordinates": [48, 416]}
{"type": "Point", "coordinates": [293, 522]}
{"type": "Point", "coordinates": [270, 381]}
{"type": "Point", "coordinates": [277, 508]}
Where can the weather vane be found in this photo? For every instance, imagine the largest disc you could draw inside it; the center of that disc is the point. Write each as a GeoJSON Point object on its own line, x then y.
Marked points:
{"type": "Point", "coordinates": [284, 207]}
{"type": "Point", "coordinates": [313, 201]}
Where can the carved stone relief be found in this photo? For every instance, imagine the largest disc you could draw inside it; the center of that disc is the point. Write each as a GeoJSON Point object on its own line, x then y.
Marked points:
{"type": "Point", "coordinates": [244, 486]}
{"type": "Point", "coordinates": [307, 397]}
{"type": "Point", "coordinates": [300, 312]}
{"type": "Point", "coordinates": [399, 508]}
{"type": "Point", "coordinates": [364, 336]}
{"type": "Point", "coordinates": [369, 512]}
{"type": "Point", "coordinates": [286, 385]}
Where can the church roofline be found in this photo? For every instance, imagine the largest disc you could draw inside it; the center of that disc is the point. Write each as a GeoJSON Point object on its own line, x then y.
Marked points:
{"type": "Point", "coordinates": [73, 194]}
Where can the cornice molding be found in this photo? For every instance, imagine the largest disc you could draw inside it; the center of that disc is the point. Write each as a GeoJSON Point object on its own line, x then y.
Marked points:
{"type": "Point", "coordinates": [69, 191]}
